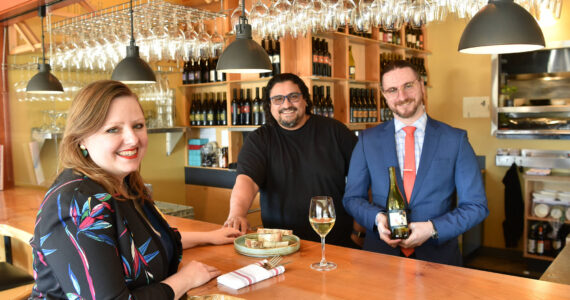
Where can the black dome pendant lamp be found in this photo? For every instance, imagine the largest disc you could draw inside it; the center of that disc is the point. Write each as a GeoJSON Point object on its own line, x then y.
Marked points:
{"type": "Point", "coordinates": [132, 69]}
{"type": "Point", "coordinates": [244, 55]}
{"type": "Point", "coordinates": [502, 26]}
{"type": "Point", "coordinates": [44, 82]}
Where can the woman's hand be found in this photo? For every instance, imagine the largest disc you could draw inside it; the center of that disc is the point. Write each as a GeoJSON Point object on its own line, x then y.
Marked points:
{"type": "Point", "coordinates": [190, 276]}
{"type": "Point", "coordinates": [224, 235]}
{"type": "Point", "coordinates": [198, 273]}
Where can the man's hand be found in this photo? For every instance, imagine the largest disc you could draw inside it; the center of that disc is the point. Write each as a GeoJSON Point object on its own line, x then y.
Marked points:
{"type": "Point", "coordinates": [419, 233]}
{"type": "Point", "coordinates": [384, 231]}
{"type": "Point", "coordinates": [237, 222]}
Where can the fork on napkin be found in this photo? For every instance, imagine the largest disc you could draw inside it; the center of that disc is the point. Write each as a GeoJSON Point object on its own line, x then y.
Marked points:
{"type": "Point", "coordinates": [249, 274]}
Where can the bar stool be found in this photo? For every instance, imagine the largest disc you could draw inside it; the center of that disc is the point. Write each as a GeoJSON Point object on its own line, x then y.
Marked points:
{"type": "Point", "coordinates": [15, 282]}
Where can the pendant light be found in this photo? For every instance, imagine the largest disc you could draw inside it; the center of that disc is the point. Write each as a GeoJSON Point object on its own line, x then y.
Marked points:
{"type": "Point", "coordinates": [132, 69]}
{"type": "Point", "coordinates": [502, 26]}
{"type": "Point", "coordinates": [44, 82]}
{"type": "Point", "coordinates": [244, 55]}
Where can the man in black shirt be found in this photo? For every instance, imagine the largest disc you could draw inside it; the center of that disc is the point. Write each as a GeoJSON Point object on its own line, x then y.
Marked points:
{"type": "Point", "coordinates": [294, 157]}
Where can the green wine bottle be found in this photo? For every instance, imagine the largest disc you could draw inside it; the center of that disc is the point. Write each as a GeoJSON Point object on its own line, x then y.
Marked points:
{"type": "Point", "coordinates": [397, 210]}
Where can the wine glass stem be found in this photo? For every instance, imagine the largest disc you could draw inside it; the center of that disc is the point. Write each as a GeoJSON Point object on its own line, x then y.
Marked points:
{"type": "Point", "coordinates": [323, 261]}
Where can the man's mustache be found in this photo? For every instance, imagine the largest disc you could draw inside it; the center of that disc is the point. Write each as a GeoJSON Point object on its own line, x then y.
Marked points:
{"type": "Point", "coordinates": [286, 110]}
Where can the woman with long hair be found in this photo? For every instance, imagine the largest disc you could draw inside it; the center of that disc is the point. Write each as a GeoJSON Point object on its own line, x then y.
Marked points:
{"type": "Point", "coordinates": [98, 234]}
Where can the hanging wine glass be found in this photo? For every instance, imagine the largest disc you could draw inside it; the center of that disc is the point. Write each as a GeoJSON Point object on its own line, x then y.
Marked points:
{"type": "Point", "coordinates": [217, 41]}
{"type": "Point", "coordinates": [190, 39]}
{"type": "Point", "coordinates": [235, 18]}
{"type": "Point", "coordinates": [279, 12]}
{"type": "Point", "coordinates": [203, 42]}
{"type": "Point", "coordinates": [258, 16]}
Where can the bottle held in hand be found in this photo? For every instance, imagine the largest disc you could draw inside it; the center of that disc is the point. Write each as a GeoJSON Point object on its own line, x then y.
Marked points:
{"type": "Point", "coordinates": [397, 209]}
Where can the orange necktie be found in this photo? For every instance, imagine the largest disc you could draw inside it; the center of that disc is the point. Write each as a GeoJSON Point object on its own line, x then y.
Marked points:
{"type": "Point", "coordinates": [409, 170]}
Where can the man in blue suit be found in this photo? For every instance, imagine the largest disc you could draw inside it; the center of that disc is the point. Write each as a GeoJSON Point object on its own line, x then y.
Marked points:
{"type": "Point", "coordinates": [434, 162]}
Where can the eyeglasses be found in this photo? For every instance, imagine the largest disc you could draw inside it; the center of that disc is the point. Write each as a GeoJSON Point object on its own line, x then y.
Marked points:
{"type": "Point", "coordinates": [279, 99]}
{"type": "Point", "coordinates": [406, 88]}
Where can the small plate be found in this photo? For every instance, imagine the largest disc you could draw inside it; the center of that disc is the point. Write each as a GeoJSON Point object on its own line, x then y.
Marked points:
{"type": "Point", "coordinates": [294, 244]}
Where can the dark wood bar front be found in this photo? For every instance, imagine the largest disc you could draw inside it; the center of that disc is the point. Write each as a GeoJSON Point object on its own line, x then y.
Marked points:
{"type": "Point", "coordinates": [360, 274]}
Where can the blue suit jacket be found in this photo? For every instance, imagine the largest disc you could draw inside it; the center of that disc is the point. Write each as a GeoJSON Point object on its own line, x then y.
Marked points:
{"type": "Point", "coordinates": [447, 165]}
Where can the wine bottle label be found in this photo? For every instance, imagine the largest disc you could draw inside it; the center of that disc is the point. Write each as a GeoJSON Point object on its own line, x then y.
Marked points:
{"type": "Point", "coordinates": [351, 70]}
{"type": "Point", "coordinates": [315, 58]}
{"type": "Point", "coordinates": [556, 244]}
{"type": "Point", "coordinates": [398, 218]}
{"type": "Point", "coordinates": [212, 75]}
{"type": "Point", "coordinates": [540, 247]}
{"type": "Point", "coordinates": [245, 108]}
{"type": "Point", "coordinates": [531, 246]}
{"type": "Point", "coordinates": [276, 58]}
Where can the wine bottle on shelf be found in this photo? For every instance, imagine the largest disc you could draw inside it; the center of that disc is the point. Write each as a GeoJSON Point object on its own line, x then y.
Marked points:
{"type": "Point", "coordinates": [314, 56]}
{"type": "Point", "coordinates": [191, 77]}
{"type": "Point", "coordinates": [235, 108]}
{"type": "Point", "coordinates": [532, 238]}
{"type": "Point", "coordinates": [276, 61]}
{"type": "Point", "coordinates": [397, 209]}
{"type": "Point", "coordinates": [270, 54]}
{"type": "Point", "coordinates": [213, 74]}
{"type": "Point", "coordinates": [358, 105]}
{"type": "Point", "coordinates": [224, 111]}
{"type": "Point", "coordinates": [328, 61]}
{"type": "Point", "coordinates": [210, 111]}
{"type": "Point", "coordinates": [263, 45]}
{"type": "Point", "coordinates": [197, 71]}
{"type": "Point", "coordinates": [374, 106]}
{"type": "Point", "coordinates": [218, 109]}
{"type": "Point", "coordinates": [540, 240]}
{"type": "Point", "coordinates": [247, 109]}
{"type": "Point", "coordinates": [192, 113]}
{"type": "Point", "coordinates": [352, 106]}
{"type": "Point", "coordinates": [241, 108]}
{"type": "Point", "coordinates": [261, 106]}
{"type": "Point", "coordinates": [329, 103]}
{"type": "Point", "coordinates": [205, 71]}
{"type": "Point", "coordinates": [320, 107]}
{"type": "Point", "coordinates": [322, 57]}
{"type": "Point", "coordinates": [205, 108]}
{"type": "Point", "coordinates": [185, 73]}
{"type": "Point", "coordinates": [315, 100]}
{"type": "Point", "coordinates": [255, 108]}
{"type": "Point", "coordinates": [351, 65]}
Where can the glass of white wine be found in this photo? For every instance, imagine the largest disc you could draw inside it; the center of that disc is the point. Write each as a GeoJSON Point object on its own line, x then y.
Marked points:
{"type": "Point", "coordinates": [322, 217]}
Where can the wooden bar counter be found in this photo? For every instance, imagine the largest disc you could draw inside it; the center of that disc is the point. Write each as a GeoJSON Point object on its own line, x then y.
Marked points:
{"type": "Point", "coordinates": [359, 275]}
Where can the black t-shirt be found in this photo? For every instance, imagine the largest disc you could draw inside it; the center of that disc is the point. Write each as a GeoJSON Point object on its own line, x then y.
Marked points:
{"type": "Point", "coordinates": [291, 166]}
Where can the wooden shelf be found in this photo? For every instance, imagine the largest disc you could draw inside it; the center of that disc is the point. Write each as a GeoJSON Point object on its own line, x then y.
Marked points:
{"type": "Point", "coordinates": [541, 257]}
{"type": "Point", "coordinates": [296, 58]}
{"type": "Point", "coordinates": [533, 218]}
{"type": "Point", "coordinates": [533, 183]}
{"type": "Point", "coordinates": [222, 83]}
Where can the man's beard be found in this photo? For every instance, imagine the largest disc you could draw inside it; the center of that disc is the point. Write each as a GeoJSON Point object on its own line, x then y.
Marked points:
{"type": "Point", "coordinates": [406, 114]}
{"type": "Point", "coordinates": [293, 122]}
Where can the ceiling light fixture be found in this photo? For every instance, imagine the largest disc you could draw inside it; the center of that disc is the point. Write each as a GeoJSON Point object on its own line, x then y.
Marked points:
{"type": "Point", "coordinates": [44, 82]}
{"type": "Point", "coordinates": [244, 55]}
{"type": "Point", "coordinates": [132, 69]}
{"type": "Point", "coordinates": [502, 26]}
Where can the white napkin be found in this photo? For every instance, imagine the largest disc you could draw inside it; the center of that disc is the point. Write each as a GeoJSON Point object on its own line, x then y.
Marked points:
{"type": "Point", "coordinates": [248, 275]}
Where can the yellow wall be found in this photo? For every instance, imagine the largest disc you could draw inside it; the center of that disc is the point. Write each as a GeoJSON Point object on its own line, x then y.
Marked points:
{"type": "Point", "coordinates": [165, 173]}
{"type": "Point", "coordinates": [454, 76]}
